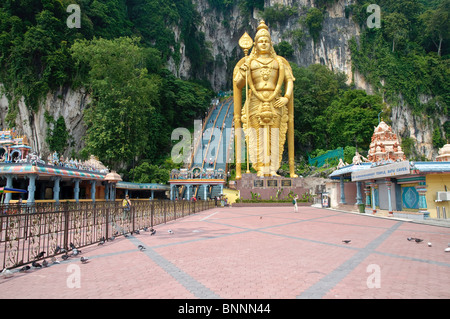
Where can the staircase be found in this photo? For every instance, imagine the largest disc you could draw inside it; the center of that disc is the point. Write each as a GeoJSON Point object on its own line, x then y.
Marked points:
{"type": "Point", "coordinates": [212, 151]}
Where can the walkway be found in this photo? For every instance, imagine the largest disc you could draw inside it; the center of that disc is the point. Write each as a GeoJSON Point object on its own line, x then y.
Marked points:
{"type": "Point", "coordinates": [255, 253]}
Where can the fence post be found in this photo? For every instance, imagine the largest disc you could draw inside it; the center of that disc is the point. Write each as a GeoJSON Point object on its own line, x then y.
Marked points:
{"type": "Point", "coordinates": [152, 209]}
{"type": "Point", "coordinates": [66, 228]}
{"type": "Point", "coordinates": [107, 223]}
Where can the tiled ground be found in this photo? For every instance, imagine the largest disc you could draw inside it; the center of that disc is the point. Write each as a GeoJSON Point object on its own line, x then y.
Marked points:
{"type": "Point", "coordinates": [258, 253]}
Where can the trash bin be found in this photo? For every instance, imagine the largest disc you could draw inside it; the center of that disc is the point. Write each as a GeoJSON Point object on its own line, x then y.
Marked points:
{"type": "Point", "coordinates": [362, 208]}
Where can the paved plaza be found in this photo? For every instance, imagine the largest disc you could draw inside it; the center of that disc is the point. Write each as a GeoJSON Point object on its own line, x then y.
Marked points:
{"type": "Point", "coordinates": [254, 252]}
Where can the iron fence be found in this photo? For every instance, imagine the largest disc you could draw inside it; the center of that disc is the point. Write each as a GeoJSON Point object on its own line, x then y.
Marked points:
{"type": "Point", "coordinates": [31, 230]}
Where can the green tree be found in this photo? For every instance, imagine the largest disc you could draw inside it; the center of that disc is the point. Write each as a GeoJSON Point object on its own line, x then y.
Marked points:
{"type": "Point", "coordinates": [396, 28]}
{"type": "Point", "coordinates": [352, 118]}
{"type": "Point", "coordinates": [436, 24]}
{"type": "Point", "coordinates": [314, 20]}
{"type": "Point", "coordinates": [122, 98]}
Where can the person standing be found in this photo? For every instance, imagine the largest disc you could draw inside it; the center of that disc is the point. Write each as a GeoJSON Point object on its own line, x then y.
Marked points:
{"type": "Point", "coordinates": [126, 205]}
{"type": "Point", "coordinates": [294, 201]}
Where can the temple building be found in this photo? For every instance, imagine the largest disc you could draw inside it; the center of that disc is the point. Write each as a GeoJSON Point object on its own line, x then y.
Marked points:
{"type": "Point", "coordinates": [386, 180]}
{"type": "Point", "coordinates": [59, 179]}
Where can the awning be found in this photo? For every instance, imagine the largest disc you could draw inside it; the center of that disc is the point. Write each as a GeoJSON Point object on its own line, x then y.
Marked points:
{"type": "Point", "coordinates": [12, 190]}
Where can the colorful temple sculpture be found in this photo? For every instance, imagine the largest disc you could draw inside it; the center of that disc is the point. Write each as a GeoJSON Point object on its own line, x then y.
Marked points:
{"type": "Point", "coordinates": [58, 179]}
{"type": "Point", "coordinates": [386, 180]}
{"type": "Point", "coordinates": [385, 146]}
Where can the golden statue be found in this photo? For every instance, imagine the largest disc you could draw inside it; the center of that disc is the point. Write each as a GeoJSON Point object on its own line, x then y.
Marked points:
{"type": "Point", "coordinates": [267, 115]}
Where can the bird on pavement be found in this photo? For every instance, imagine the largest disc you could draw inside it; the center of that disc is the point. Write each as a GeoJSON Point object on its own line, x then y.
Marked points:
{"type": "Point", "coordinates": [36, 264]}
{"type": "Point", "coordinates": [6, 273]}
{"type": "Point", "coordinates": [418, 240]}
{"type": "Point", "coordinates": [141, 248]}
{"type": "Point", "coordinates": [170, 231]}
{"type": "Point", "coordinates": [40, 255]}
{"type": "Point", "coordinates": [153, 231]}
{"type": "Point", "coordinates": [25, 268]}
{"type": "Point", "coordinates": [45, 263]}
{"type": "Point", "coordinates": [84, 260]}
{"type": "Point", "coordinates": [410, 238]}
{"type": "Point", "coordinates": [346, 241]}
{"type": "Point", "coordinates": [65, 257]}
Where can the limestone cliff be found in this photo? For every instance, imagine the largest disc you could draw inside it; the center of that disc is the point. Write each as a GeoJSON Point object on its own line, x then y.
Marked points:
{"type": "Point", "coordinates": [223, 30]}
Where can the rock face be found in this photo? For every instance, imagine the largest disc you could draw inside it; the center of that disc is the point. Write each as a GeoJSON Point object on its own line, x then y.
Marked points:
{"type": "Point", "coordinates": [222, 31]}
{"type": "Point", "coordinates": [66, 102]}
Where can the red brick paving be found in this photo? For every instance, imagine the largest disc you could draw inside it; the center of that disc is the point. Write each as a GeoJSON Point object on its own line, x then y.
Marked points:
{"type": "Point", "coordinates": [255, 252]}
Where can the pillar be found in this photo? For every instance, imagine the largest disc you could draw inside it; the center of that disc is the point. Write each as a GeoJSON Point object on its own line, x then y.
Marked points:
{"type": "Point", "coordinates": [93, 184]}
{"type": "Point", "coordinates": [221, 188]}
{"type": "Point", "coordinates": [76, 190]}
{"type": "Point", "coordinates": [9, 184]}
{"type": "Point", "coordinates": [373, 185]}
{"type": "Point", "coordinates": [172, 192]}
{"type": "Point", "coordinates": [389, 184]}
{"type": "Point", "coordinates": [358, 193]}
{"type": "Point", "coordinates": [106, 191]}
{"type": "Point", "coordinates": [422, 190]}
{"type": "Point", "coordinates": [367, 192]}
{"type": "Point", "coordinates": [153, 194]}
{"type": "Point", "coordinates": [56, 188]}
{"type": "Point", "coordinates": [31, 188]}
{"type": "Point", "coordinates": [205, 187]}
{"type": "Point", "coordinates": [188, 194]}
{"type": "Point", "coordinates": [342, 191]}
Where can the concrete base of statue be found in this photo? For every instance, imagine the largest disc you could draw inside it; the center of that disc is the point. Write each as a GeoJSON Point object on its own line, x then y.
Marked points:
{"type": "Point", "coordinates": [274, 187]}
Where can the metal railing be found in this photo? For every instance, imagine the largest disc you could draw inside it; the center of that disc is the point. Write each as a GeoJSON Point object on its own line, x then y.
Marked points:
{"type": "Point", "coordinates": [24, 236]}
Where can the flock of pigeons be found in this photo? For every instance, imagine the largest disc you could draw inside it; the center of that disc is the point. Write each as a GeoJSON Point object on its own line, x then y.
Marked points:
{"type": "Point", "coordinates": [7, 273]}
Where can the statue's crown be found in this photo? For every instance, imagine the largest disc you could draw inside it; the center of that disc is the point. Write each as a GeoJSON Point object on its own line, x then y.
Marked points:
{"type": "Point", "coordinates": [263, 30]}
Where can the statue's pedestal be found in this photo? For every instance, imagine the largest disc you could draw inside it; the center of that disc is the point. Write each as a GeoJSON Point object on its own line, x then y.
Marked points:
{"type": "Point", "coordinates": [269, 187]}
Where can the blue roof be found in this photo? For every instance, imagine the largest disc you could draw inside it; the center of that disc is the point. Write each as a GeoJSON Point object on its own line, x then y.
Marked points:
{"type": "Point", "coordinates": [431, 167]}
{"type": "Point", "coordinates": [346, 170]}
{"type": "Point", "coordinates": [142, 186]}
{"type": "Point", "coordinates": [420, 167]}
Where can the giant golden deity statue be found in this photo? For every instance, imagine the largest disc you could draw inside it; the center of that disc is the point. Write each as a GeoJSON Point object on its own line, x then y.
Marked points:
{"type": "Point", "coordinates": [268, 112]}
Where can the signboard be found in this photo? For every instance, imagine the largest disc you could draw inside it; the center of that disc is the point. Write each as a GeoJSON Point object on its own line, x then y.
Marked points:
{"type": "Point", "coordinates": [390, 170]}
{"type": "Point", "coordinates": [258, 183]}
{"type": "Point", "coordinates": [286, 183]}
{"type": "Point", "coordinates": [272, 183]}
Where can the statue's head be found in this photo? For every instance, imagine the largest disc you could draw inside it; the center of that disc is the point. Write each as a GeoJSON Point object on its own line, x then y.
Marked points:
{"type": "Point", "coordinates": [263, 40]}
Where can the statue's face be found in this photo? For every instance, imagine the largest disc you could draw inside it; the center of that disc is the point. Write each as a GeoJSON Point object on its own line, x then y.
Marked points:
{"type": "Point", "coordinates": [263, 44]}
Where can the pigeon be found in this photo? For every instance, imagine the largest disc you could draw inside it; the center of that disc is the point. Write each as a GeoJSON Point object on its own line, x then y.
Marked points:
{"type": "Point", "coordinates": [84, 260]}
{"type": "Point", "coordinates": [145, 228]}
{"type": "Point", "coordinates": [40, 255]}
{"type": "Point", "coordinates": [72, 246]}
{"type": "Point", "coordinates": [57, 250]}
{"type": "Point", "coordinates": [45, 263]}
{"type": "Point", "coordinates": [447, 249]}
{"type": "Point", "coordinates": [76, 252]}
{"type": "Point", "coordinates": [429, 244]}
{"type": "Point", "coordinates": [65, 257]}
{"type": "Point", "coordinates": [418, 240]}
{"type": "Point", "coordinates": [102, 241]}
{"type": "Point", "coordinates": [141, 248]}
{"type": "Point", "coordinates": [112, 238]}
{"type": "Point", "coordinates": [410, 238]}
{"type": "Point", "coordinates": [170, 231]}
{"type": "Point", "coordinates": [153, 231]}
{"type": "Point", "coordinates": [36, 264]}
{"type": "Point", "coordinates": [25, 268]}
{"type": "Point", "coordinates": [6, 273]}
{"type": "Point", "coordinates": [137, 232]}
{"type": "Point", "coordinates": [346, 241]}
{"type": "Point", "coordinates": [54, 261]}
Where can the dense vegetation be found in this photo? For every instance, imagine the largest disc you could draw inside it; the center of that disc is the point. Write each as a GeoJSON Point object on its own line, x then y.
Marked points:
{"type": "Point", "coordinates": [121, 52]}
{"type": "Point", "coordinates": [407, 58]}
